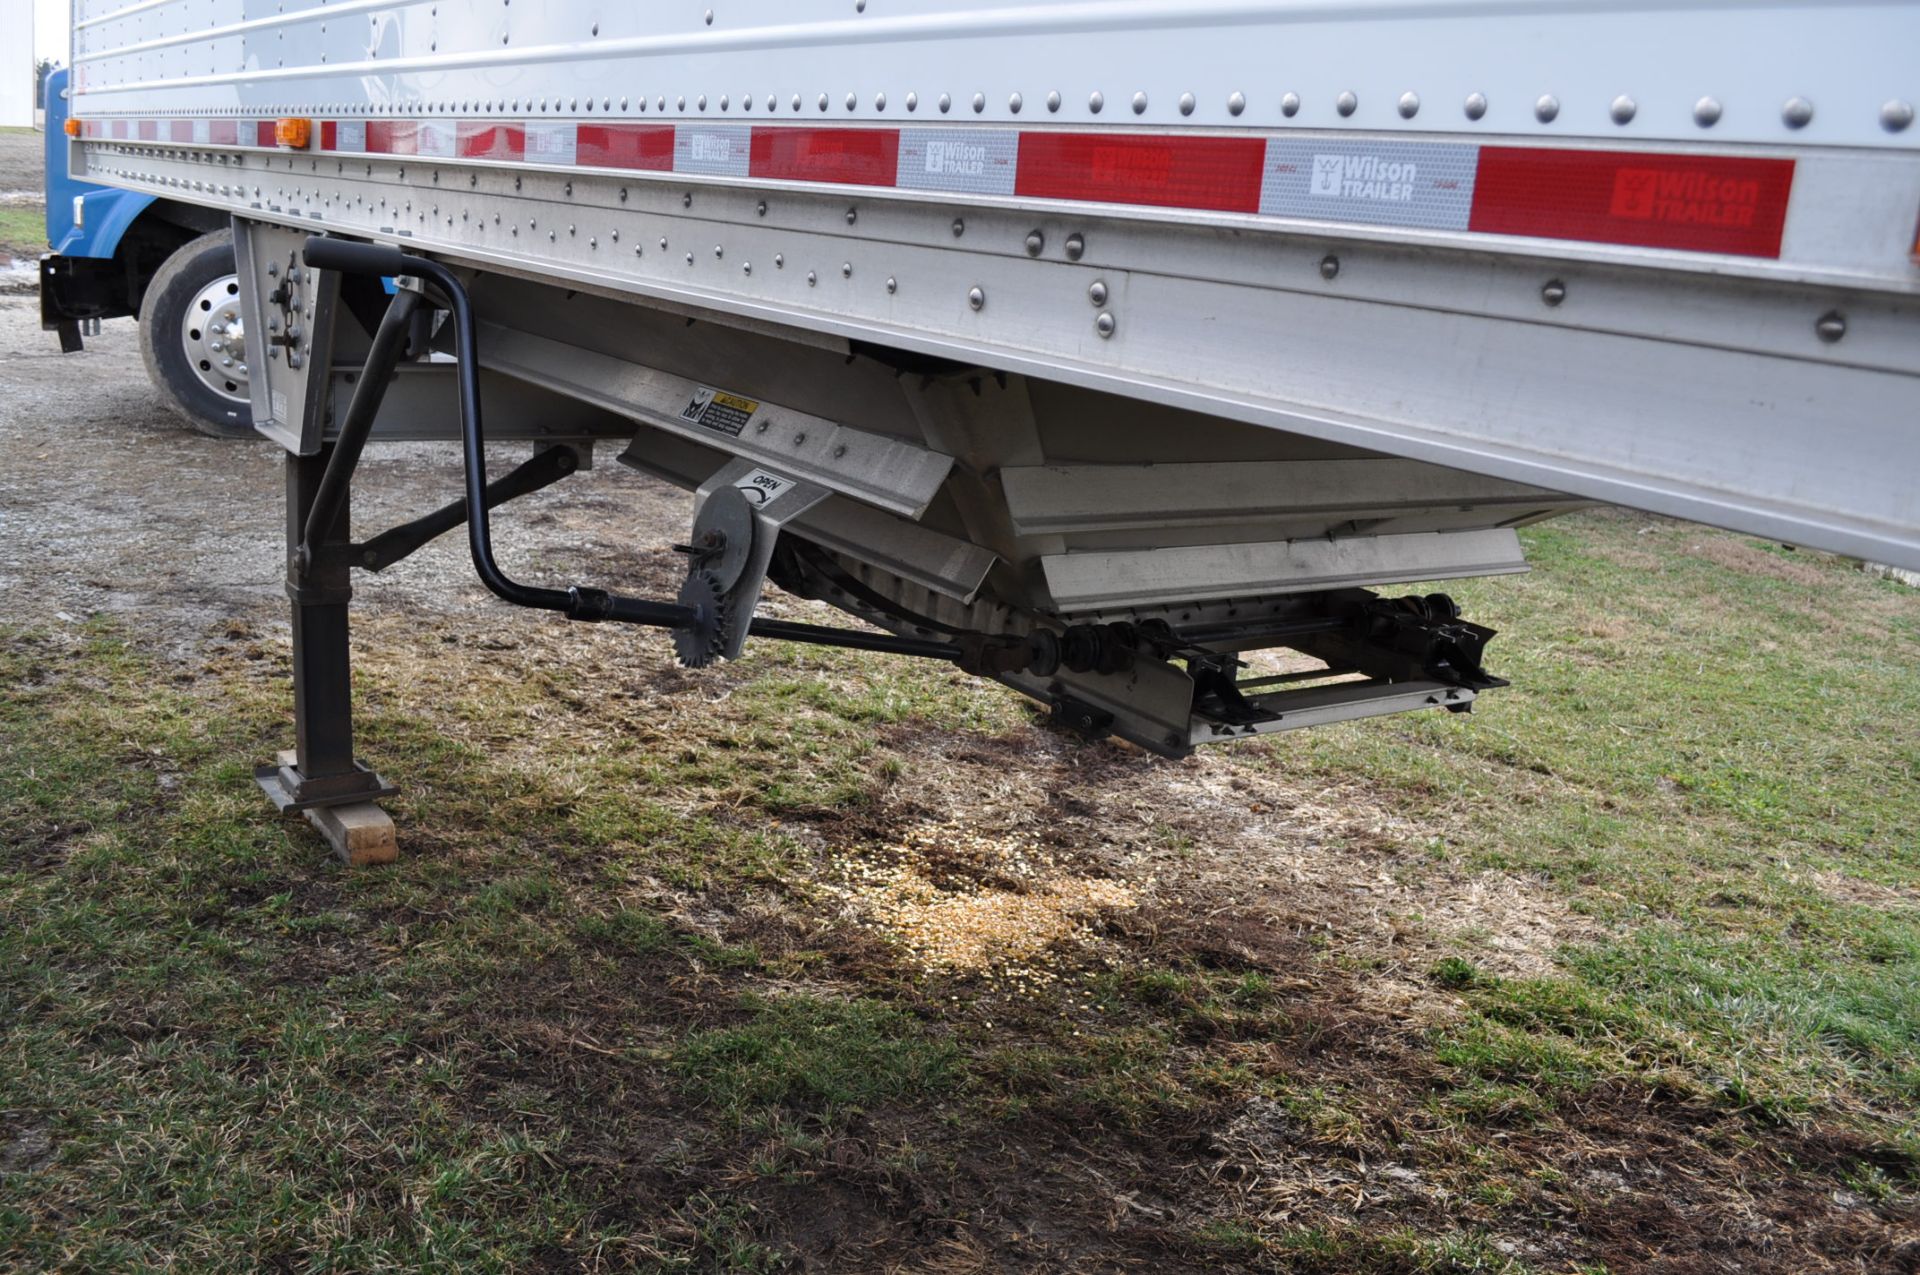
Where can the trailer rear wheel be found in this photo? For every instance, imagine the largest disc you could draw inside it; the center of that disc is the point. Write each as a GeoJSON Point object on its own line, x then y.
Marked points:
{"type": "Point", "coordinates": [194, 339]}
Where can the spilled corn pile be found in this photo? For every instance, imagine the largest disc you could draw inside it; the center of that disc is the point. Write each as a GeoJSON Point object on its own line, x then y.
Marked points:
{"type": "Point", "coordinates": [957, 901]}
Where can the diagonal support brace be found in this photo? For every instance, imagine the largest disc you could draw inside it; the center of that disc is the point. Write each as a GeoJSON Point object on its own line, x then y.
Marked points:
{"type": "Point", "coordinates": [546, 467]}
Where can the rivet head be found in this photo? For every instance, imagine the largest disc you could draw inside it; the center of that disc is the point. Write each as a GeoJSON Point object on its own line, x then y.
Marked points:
{"type": "Point", "coordinates": [1547, 108]}
{"type": "Point", "coordinates": [812, 278]}
{"type": "Point", "coordinates": [1035, 243]}
{"type": "Point", "coordinates": [823, 101]}
{"type": "Point", "coordinates": [718, 251]}
{"type": "Point", "coordinates": [760, 208]}
{"type": "Point", "coordinates": [976, 298]}
{"type": "Point", "coordinates": [853, 215]}
{"type": "Point", "coordinates": [724, 100]}
{"type": "Point", "coordinates": [959, 227]}
{"type": "Point", "coordinates": [979, 103]}
{"type": "Point", "coordinates": [846, 270]}
{"type": "Point", "coordinates": [1346, 103]}
{"type": "Point", "coordinates": [796, 101]}
{"type": "Point", "coordinates": [1186, 104]}
{"type": "Point", "coordinates": [1289, 104]}
{"type": "Point", "coordinates": [913, 101]}
{"type": "Point", "coordinates": [1139, 103]}
{"type": "Point", "coordinates": [1831, 326]}
{"type": "Point", "coordinates": [1706, 112]}
{"type": "Point", "coordinates": [1236, 102]}
{"type": "Point", "coordinates": [1409, 105]}
{"type": "Point", "coordinates": [852, 101]}
{"type": "Point", "coordinates": [1896, 115]}
{"type": "Point", "coordinates": [1475, 106]}
{"type": "Point", "coordinates": [701, 101]}
{"type": "Point", "coordinates": [879, 101]}
{"type": "Point", "coordinates": [746, 267]}
{"type": "Point", "coordinates": [1095, 101]}
{"type": "Point", "coordinates": [892, 285]}
{"type": "Point", "coordinates": [709, 17]}
{"type": "Point", "coordinates": [1076, 246]}
{"type": "Point", "coordinates": [779, 260]}
{"type": "Point", "coordinates": [1097, 293]}
{"type": "Point", "coordinates": [1053, 101]}
{"type": "Point", "coordinates": [1103, 324]}
{"type": "Point", "coordinates": [1622, 109]}
{"type": "Point", "coordinates": [1797, 112]}
{"type": "Point", "coordinates": [1329, 266]}
{"type": "Point", "coordinates": [1014, 103]}
{"type": "Point", "coordinates": [946, 103]}
{"type": "Point", "coordinates": [1553, 292]}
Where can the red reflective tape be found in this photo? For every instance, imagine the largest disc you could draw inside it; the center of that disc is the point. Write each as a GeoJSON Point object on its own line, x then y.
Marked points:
{"type": "Point", "coordinates": [120, 130]}
{"type": "Point", "coordinates": [477, 139]}
{"type": "Point", "coordinates": [1220, 173]}
{"type": "Point", "coordinates": [224, 133]}
{"type": "Point", "coordinates": [848, 156]}
{"type": "Point", "coordinates": [1695, 203]}
{"type": "Point", "coordinates": [648, 147]}
{"type": "Point", "coordinates": [263, 133]}
{"type": "Point", "coordinates": [148, 130]}
{"type": "Point", "coordinates": [329, 135]}
{"type": "Point", "coordinates": [392, 137]}
{"type": "Point", "coordinates": [180, 130]}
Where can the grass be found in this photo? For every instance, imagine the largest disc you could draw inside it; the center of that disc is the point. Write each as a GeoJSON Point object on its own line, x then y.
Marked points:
{"type": "Point", "coordinates": [603, 1015]}
{"type": "Point", "coordinates": [23, 230]}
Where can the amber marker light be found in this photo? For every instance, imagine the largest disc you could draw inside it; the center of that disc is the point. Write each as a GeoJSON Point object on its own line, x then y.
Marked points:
{"type": "Point", "coordinates": [72, 126]}
{"type": "Point", "coordinates": [294, 131]}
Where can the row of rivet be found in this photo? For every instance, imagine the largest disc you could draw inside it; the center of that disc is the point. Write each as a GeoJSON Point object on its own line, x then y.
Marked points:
{"type": "Point", "coordinates": [1896, 114]}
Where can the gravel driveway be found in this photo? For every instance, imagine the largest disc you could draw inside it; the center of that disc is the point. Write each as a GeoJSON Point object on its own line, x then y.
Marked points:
{"type": "Point", "coordinates": [109, 504]}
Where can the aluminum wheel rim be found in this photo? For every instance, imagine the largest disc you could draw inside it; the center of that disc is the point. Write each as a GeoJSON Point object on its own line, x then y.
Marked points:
{"type": "Point", "coordinates": [215, 339]}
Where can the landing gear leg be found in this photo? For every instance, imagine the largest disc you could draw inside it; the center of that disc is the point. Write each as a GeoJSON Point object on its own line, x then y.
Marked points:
{"type": "Point", "coordinates": [319, 776]}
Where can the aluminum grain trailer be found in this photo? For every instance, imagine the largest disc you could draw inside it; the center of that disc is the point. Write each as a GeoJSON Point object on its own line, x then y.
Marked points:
{"type": "Point", "coordinates": [1088, 345]}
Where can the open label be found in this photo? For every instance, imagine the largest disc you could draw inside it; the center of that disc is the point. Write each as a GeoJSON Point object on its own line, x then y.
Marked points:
{"type": "Point", "coordinates": [762, 488]}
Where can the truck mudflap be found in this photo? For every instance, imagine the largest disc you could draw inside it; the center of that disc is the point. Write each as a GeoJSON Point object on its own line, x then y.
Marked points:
{"type": "Point", "coordinates": [77, 292]}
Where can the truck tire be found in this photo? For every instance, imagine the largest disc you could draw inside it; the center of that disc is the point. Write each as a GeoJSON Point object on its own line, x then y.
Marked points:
{"type": "Point", "coordinates": [194, 340]}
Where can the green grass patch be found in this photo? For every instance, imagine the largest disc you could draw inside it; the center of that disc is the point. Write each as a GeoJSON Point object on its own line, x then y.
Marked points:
{"type": "Point", "coordinates": [23, 230]}
{"type": "Point", "coordinates": [819, 1060]}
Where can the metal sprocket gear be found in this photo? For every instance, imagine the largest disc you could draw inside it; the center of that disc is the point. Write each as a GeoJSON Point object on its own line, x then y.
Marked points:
{"type": "Point", "coordinates": [703, 641]}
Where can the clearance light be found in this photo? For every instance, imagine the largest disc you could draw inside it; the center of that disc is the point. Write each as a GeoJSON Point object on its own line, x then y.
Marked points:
{"type": "Point", "coordinates": [294, 131]}
{"type": "Point", "coordinates": [72, 126]}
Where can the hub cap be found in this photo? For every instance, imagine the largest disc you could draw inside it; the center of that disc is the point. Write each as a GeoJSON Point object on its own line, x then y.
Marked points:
{"type": "Point", "coordinates": [215, 339]}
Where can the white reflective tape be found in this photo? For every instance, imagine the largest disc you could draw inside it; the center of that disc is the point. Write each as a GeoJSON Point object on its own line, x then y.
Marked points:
{"type": "Point", "coordinates": [717, 150]}
{"type": "Point", "coordinates": [550, 143]}
{"type": "Point", "coordinates": [1428, 185]}
{"type": "Point", "coordinates": [350, 136]}
{"type": "Point", "coordinates": [434, 140]}
{"type": "Point", "coordinates": [973, 161]}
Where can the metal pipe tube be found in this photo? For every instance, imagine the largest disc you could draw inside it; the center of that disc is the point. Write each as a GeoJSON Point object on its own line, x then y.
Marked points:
{"type": "Point", "coordinates": [851, 639]}
{"type": "Point", "coordinates": [389, 342]}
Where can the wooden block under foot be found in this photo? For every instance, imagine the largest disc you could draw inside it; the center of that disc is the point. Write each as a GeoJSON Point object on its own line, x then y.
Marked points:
{"type": "Point", "coordinates": [362, 835]}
